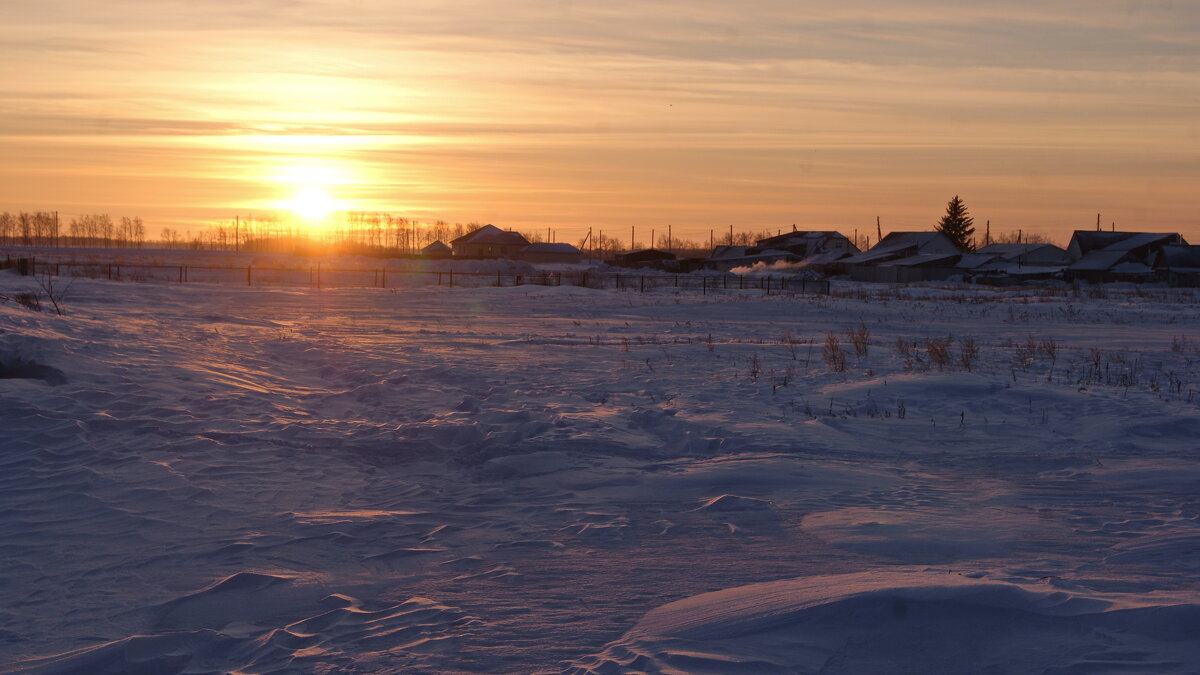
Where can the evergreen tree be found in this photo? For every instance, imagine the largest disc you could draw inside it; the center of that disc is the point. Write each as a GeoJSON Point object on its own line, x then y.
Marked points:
{"type": "Point", "coordinates": [956, 224]}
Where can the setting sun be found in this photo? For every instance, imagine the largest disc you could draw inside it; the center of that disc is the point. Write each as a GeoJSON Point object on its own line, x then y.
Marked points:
{"type": "Point", "coordinates": [312, 203]}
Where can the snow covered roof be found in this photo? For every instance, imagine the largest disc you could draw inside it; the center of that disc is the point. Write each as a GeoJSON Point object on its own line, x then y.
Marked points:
{"type": "Point", "coordinates": [922, 259]}
{"type": "Point", "coordinates": [909, 238]}
{"type": "Point", "coordinates": [1098, 261]}
{"type": "Point", "coordinates": [899, 244]}
{"type": "Point", "coordinates": [1086, 241]}
{"type": "Point", "coordinates": [1179, 257]}
{"type": "Point", "coordinates": [1139, 239]}
{"type": "Point", "coordinates": [878, 254]}
{"type": "Point", "coordinates": [801, 235]}
{"type": "Point", "coordinates": [825, 257]}
{"type": "Point", "coordinates": [1011, 251]}
{"type": "Point", "coordinates": [1132, 268]}
{"type": "Point", "coordinates": [490, 234]}
{"type": "Point", "coordinates": [437, 247]}
{"type": "Point", "coordinates": [970, 261]}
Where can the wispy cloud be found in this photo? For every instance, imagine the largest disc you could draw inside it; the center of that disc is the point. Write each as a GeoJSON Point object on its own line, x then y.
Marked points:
{"type": "Point", "coordinates": [534, 111]}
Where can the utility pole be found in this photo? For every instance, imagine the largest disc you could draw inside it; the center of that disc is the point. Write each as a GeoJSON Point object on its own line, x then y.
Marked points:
{"type": "Point", "coordinates": [878, 230]}
{"type": "Point", "coordinates": [731, 234]}
{"type": "Point", "coordinates": [669, 236]}
{"type": "Point", "coordinates": [237, 223]}
{"type": "Point", "coordinates": [987, 233]}
{"type": "Point", "coordinates": [1097, 222]}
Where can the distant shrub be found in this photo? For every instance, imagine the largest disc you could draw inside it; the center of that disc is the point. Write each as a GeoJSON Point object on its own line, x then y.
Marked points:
{"type": "Point", "coordinates": [859, 337]}
{"type": "Point", "coordinates": [968, 352]}
{"type": "Point", "coordinates": [832, 352]}
{"type": "Point", "coordinates": [938, 352]}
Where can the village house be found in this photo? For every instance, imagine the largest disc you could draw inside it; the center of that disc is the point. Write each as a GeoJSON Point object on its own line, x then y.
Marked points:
{"type": "Point", "coordinates": [818, 249]}
{"type": "Point", "coordinates": [489, 241]}
{"type": "Point", "coordinates": [1116, 256]}
{"type": "Point", "coordinates": [643, 258]}
{"type": "Point", "coordinates": [1013, 263]}
{"type": "Point", "coordinates": [1179, 265]}
{"type": "Point", "coordinates": [905, 257]}
{"type": "Point", "coordinates": [437, 250]}
{"type": "Point", "coordinates": [551, 253]}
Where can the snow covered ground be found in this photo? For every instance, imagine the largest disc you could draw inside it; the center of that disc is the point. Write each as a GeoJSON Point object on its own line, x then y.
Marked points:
{"type": "Point", "coordinates": [201, 478]}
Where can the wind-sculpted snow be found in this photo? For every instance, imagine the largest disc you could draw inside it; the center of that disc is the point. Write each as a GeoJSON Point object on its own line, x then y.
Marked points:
{"type": "Point", "coordinates": [340, 633]}
{"type": "Point", "coordinates": [930, 621]}
{"type": "Point", "coordinates": [198, 479]}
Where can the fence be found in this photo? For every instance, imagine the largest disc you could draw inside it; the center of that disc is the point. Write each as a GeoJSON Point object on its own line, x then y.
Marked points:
{"type": "Point", "coordinates": [319, 276]}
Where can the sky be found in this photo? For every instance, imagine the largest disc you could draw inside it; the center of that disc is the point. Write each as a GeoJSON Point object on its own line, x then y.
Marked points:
{"type": "Point", "coordinates": [536, 114]}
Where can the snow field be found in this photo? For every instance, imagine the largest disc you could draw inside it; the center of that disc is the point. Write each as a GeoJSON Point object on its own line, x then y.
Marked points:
{"type": "Point", "coordinates": [514, 480]}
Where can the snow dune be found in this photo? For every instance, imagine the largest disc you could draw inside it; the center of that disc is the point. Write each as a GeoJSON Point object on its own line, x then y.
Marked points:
{"type": "Point", "coordinates": [201, 478]}
{"type": "Point", "coordinates": [908, 621]}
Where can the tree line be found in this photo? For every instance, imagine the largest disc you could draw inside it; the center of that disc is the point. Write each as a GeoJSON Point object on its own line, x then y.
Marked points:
{"type": "Point", "coordinates": [43, 228]}
{"type": "Point", "coordinates": [382, 233]}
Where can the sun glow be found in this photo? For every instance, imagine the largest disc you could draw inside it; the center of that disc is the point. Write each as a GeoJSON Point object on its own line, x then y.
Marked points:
{"type": "Point", "coordinates": [312, 203]}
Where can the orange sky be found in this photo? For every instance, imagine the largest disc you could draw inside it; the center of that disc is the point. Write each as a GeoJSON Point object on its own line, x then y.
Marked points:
{"type": "Point", "coordinates": [568, 115]}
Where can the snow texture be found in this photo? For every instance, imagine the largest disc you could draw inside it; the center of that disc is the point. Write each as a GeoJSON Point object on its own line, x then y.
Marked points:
{"type": "Point", "coordinates": [198, 478]}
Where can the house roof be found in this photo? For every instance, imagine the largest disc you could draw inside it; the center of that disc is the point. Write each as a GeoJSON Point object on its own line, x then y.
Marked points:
{"type": "Point", "coordinates": [647, 254]}
{"type": "Point", "coordinates": [490, 234]}
{"type": "Point", "coordinates": [1088, 240]}
{"type": "Point", "coordinates": [723, 252]}
{"type": "Point", "coordinates": [879, 254]}
{"type": "Point", "coordinates": [437, 247]}
{"type": "Point", "coordinates": [1005, 249]}
{"type": "Point", "coordinates": [923, 259]}
{"type": "Point", "coordinates": [1132, 268]}
{"type": "Point", "coordinates": [970, 261]}
{"type": "Point", "coordinates": [887, 248]}
{"type": "Point", "coordinates": [909, 238]}
{"type": "Point", "coordinates": [1178, 257]}
{"type": "Point", "coordinates": [801, 235]}
{"type": "Point", "coordinates": [543, 247]}
{"type": "Point", "coordinates": [1098, 261]}
{"type": "Point", "coordinates": [1139, 239]}
{"type": "Point", "coordinates": [824, 257]}
{"type": "Point", "coordinates": [898, 244]}
{"type": "Point", "coordinates": [1013, 251]}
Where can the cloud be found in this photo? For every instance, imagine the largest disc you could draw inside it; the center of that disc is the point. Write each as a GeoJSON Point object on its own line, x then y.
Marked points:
{"type": "Point", "coordinates": [779, 108]}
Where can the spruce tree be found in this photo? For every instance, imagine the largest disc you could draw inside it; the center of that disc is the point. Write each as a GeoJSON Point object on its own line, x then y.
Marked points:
{"type": "Point", "coordinates": [956, 224]}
